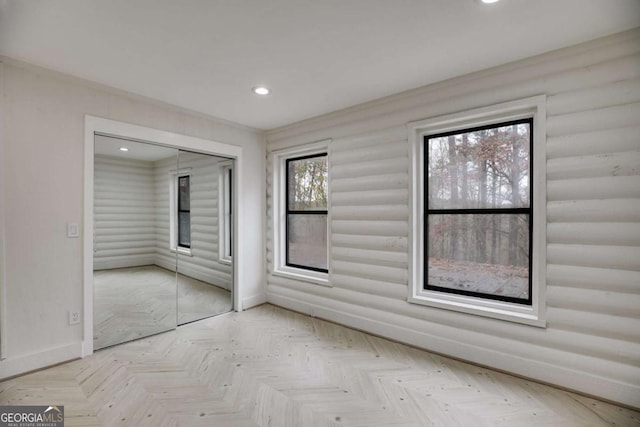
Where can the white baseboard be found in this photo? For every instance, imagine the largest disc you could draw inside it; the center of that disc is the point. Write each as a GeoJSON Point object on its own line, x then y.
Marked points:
{"type": "Point", "coordinates": [253, 301]}
{"type": "Point", "coordinates": [122, 262]}
{"type": "Point", "coordinates": [13, 366]}
{"type": "Point", "coordinates": [212, 277]}
{"type": "Point", "coordinates": [582, 382]}
{"type": "Point", "coordinates": [171, 266]}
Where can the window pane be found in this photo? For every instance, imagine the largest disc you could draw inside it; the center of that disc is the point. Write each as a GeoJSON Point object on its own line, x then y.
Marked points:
{"type": "Point", "coordinates": [229, 216]}
{"type": "Point", "coordinates": [307, 240]}
{"type": "Point", "coordinates": [184, 229]}
{"type": "Point", "coordinates": [488, 254]}
{"type": "Point", "coordinates": [486, 168]}
{"type": "Point", "coordinates": [307, 185]}
{"type": "Point", "coordinates": [184, 195]}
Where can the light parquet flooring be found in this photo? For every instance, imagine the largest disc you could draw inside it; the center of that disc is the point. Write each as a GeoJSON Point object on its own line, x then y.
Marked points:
{"type": "Point", "coordinates": [271, 367]}
{"type": "Point", "coordinates": [135, 302]}
{"type": "Point", "coordinates": [198, 299]}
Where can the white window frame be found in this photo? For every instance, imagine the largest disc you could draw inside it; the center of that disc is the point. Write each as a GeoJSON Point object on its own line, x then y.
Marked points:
{"type": "Point", "coordinates": [173, 210]}
{"type": "Point", "coordinates": [533, 314]}
{"type": "Point", "coordinates": [279, 189]}
{"type": "Point", "coordinates": [225, 221]}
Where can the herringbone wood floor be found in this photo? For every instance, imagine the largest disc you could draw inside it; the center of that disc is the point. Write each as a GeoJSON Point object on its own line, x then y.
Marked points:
{"type": "Point", "coordinates": [135, 302]}
{"type": "Point", "coordinates": [270, 367]}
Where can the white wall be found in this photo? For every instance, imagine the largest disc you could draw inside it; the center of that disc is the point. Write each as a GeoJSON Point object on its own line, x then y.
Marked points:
{"type": "Point", "coordinates": [592, 342]}
{"type": "Point", "coordinates": [43, 159]}
{"type": "Point", "coordinates": [124, 213]}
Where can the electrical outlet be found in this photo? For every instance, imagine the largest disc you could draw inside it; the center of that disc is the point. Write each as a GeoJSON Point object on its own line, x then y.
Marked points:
{"type": "Point", "coordinates": [74, 317]}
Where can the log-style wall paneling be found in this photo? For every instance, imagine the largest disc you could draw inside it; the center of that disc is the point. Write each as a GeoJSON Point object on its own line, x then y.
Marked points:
{"type": "Point", "coordinates": [591, 342]}
{"type": "Point", "coordinates": [124, 211]}
{"type": "Point", "coordinates": [132, 216]}
{"type": "Point", "coordinates": [618, 140]}
{"type": "Point", "coordinates": [203, 263]}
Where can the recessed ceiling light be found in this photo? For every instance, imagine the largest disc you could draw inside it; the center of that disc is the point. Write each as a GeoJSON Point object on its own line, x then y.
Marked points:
{"type": "Point", "coordinates": [489, 1]}
{"type": "Point", "coordinates": [124, 149]}
{"type": "Point", "coordinates": [261, 90]}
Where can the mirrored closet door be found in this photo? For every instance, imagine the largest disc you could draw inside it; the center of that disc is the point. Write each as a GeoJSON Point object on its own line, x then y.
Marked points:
{"type": "Point", "coordinates": [204, 238]}
{"type": "Point", "coordinates": [162, 238]}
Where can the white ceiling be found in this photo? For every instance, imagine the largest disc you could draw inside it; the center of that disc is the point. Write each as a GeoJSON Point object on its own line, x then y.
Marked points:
{"type": "Point", "coordinates": [317, 56]}
{"type": "Point", "coordinates": [110, 146]}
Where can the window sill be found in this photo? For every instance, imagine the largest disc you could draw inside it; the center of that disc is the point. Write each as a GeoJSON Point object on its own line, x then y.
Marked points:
{"type": "Point", "coordinates": [480, 307]}
{"type": "Point", "coordinates": [182, 251]}
{"type": "Point", "coordinates": [226, 261]}
{"type": "Point", "coordinates": [314, 277]}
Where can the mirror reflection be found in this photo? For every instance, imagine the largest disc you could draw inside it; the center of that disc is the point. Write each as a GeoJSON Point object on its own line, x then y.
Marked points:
{"type": "Point", "coordinates": [162, 238]}
{"type": "Point", "coordinates": [201, 222]}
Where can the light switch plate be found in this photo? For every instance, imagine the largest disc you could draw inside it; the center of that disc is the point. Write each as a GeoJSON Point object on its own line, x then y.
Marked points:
{"type": "Point", "coordinates": [73, 230]}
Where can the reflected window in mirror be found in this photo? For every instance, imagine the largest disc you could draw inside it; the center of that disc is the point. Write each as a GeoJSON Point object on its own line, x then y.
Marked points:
{"type": "Point", "coordinates": [226, 213]}
{"type": "Point", "coordinates": [180, 212]}
{"type": "Point", "coordinates": [184, 212]}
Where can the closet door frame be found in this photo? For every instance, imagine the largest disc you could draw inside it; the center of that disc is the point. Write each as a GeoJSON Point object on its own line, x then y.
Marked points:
{"type": "Point", "coordinates": [97, 125]}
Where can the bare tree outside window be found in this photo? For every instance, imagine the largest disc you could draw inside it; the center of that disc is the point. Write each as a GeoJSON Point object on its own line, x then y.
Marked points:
{"type": "Point", "coordinates": [479, 213]}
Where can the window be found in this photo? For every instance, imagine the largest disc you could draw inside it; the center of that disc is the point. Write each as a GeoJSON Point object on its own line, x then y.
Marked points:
{"type": "Point", "coordinates": [184, 212]}
{"type": "Point", "coordinates": [306, 210]}
{"type": "Point", "coordinates": [301, 213]}
{"type": "Point", "coordinates": [478, 220]}
{"type": "Point", "coordinates": [225, 249]}
{"type": "Point", "coordinates": [180, 211]}
{"type": "Point", "coordinates": [479, 212]}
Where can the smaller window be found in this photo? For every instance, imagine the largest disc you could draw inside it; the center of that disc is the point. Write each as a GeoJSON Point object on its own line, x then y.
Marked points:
{"type": "Point", "coordinates": [306, 211]}
{"type": "Point", "coordinates": [301, 213]}
{"type": "Point", "coordinates": [180, 211]}
{"type": "Point", "coordinates": [226, 213]}
{"type": "Point", "coordinates": [184, 212]}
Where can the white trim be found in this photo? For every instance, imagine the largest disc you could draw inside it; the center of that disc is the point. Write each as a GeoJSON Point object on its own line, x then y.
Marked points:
{"type": "Point", "coordinates": [3, 274]}
{"type": "Point", "coordinates": [181, 251]}
{"type": "Point", "coordinates": [123, 261]}
{"type": "Point", "coordinates": [279, 213]}
{"type": "Point", "coordinates": [254, 300]}
{"type": "Point", "coordinates": [170, 139]}
{"type": "Point", "coordinates": [224, 227]}
{"type": "Point", "coordinates": [317, 277]}
{"type": "Point", "coordinates": [530, 107]}
{"type": "Point", "coordinates": [30, 362]}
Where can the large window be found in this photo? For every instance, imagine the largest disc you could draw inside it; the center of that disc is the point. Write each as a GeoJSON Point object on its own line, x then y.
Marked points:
{"type": "Point", "coordinates": [478, 216]}
{"type": "Point", "coordinates": [306, 210]}
{"type": "Point", "coordinates": [479, 211]}
{"type": "Point", "coordinates": [301, 212]}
